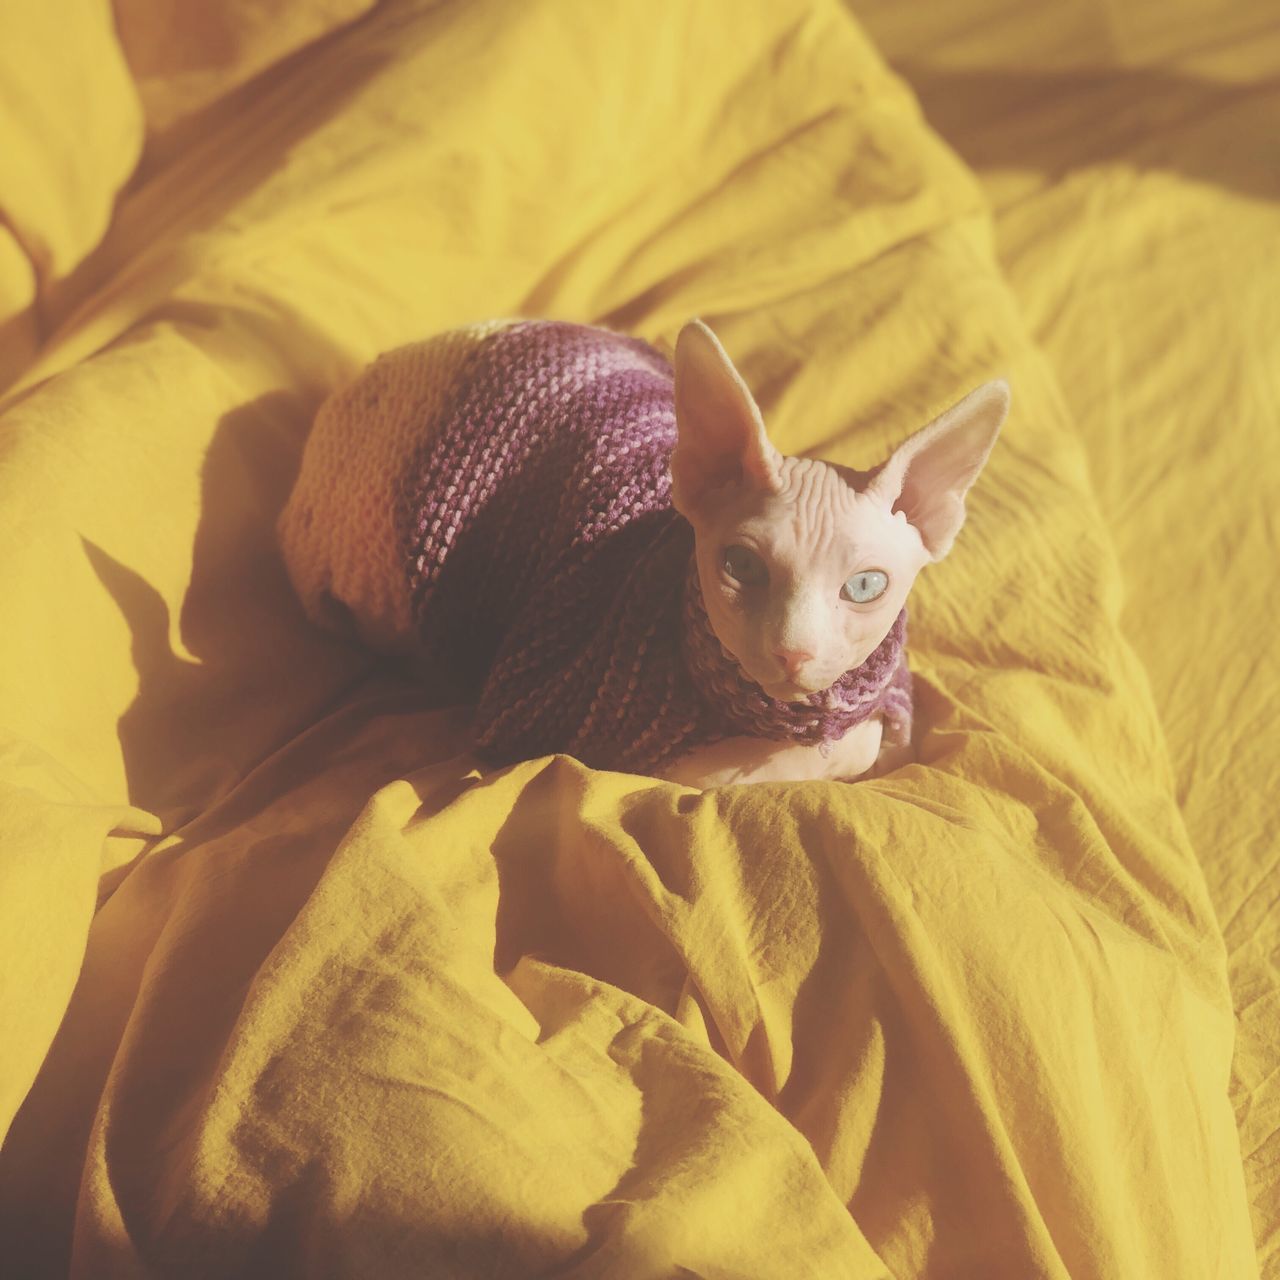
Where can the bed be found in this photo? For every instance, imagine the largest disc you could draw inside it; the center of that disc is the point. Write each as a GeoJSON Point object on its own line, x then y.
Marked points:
{"type": "Point", "coordinates": [296, 987]}
{"type": "Point", "coordinates": [1128, 153]}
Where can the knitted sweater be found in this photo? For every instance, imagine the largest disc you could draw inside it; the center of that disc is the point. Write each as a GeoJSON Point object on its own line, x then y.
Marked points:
{"type": "Point", "coordinates": [497, 501]}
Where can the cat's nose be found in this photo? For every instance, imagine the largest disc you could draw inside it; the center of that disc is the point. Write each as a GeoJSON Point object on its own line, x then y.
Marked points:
{"type": "Point", "coordinates": [792, 659]}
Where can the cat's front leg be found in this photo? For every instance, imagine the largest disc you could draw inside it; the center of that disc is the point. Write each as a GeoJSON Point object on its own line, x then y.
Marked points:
{"type": "Point", "coordinates": [857, 752]}
{"type": "Point", "coordinates": [738, 760]}
{"type": "Point", "coordinates": [893, 755]}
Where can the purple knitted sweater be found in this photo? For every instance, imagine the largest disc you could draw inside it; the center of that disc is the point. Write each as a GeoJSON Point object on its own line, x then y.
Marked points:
{"type": "Point", "coordinates": [552, 578]}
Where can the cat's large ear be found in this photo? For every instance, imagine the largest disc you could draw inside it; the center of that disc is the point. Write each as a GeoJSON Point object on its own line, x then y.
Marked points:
{"type": "Point", "coordinates": [928, 474]}
{"type": "Point", "coordinates": [721, 436]}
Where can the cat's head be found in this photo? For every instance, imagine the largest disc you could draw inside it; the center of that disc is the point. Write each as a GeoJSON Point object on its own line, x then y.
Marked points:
{"type": "Point", "coordinates": [804, 565]}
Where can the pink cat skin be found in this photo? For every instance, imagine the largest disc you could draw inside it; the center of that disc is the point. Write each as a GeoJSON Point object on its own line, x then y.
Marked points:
{"type": "Point", "coordinates": [603, 552]}
{"type": "Point", "coordinates": [805, 565]}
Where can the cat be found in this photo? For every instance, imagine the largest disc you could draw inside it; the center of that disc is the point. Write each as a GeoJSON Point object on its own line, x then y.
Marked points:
{"type": "Point", "coordinates": [605, 552]}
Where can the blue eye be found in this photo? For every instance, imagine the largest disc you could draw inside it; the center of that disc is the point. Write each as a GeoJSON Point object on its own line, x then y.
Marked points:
{"type": "Point", "coordinates": [866, 586]}
{"type": "Point", "coordinates": [744, 566]}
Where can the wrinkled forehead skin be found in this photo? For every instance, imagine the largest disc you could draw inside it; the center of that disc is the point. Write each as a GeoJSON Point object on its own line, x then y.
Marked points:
{"type": "Point", "coordinates": [819, 523]}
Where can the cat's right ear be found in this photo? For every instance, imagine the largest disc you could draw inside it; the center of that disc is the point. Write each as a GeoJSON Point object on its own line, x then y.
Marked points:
{"type": "Point", "coordinates": [721, 437]}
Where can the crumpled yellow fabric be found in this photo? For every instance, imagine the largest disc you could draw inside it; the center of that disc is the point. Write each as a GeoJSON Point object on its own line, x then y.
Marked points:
{"type": "Point", "coordinates": [1128, 150]}
{"type": "Point", "coordinates": [349, 1006]}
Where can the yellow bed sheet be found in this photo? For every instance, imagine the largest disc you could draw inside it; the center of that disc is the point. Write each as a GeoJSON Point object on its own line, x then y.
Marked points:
{"type": "Point", "coordinates": [1130, 155]}
{"type": "Point", "coordinates": [349, 1006]}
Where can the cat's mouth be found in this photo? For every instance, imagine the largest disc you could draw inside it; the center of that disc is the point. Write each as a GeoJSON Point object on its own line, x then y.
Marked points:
{"type": "Point", "coordinates": [790, 690]}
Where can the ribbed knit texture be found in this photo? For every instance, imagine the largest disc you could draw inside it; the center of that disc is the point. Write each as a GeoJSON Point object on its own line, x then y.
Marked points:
{"type": "Point", "coordinates": [338, 531]}
{"type": "Point", "coordinates": [549, 572]}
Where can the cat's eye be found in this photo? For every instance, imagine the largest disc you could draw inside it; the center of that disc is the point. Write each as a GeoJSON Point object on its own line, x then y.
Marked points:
{"type": "Point", "coordinates": [744, 566]}
{"type": "Point", "coordinates": [866, 586]}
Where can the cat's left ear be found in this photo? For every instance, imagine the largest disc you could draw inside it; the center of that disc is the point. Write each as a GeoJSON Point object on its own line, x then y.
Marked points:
{"type": "Point", "coordinates": [929, 473]}
{"type": "Point", "coordinates": [721, 435]}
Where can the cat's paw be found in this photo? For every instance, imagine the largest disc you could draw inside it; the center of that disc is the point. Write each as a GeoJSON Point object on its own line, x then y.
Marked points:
{"type": "Point", "coordinates": [892, 756]}
{"type": "Point", "coordinates": [854, 756]}
{"type": "Point", "coordinates": [733, 761]}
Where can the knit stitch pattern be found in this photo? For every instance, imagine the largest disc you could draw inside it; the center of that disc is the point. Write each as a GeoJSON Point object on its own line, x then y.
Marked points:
{"type": "Point", "coordinates": [337, 531]}
{"type": "Point", "coordinates": [526, 546]}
